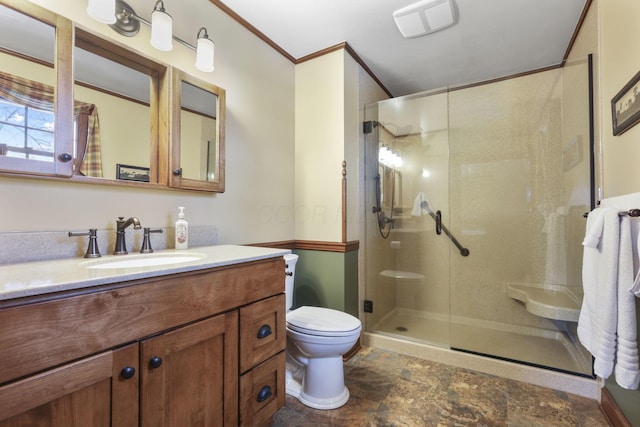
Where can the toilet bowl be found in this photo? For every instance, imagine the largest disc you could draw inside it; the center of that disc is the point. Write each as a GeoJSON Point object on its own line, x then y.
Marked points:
{"type": "Point", "coordinates": [317, 338]}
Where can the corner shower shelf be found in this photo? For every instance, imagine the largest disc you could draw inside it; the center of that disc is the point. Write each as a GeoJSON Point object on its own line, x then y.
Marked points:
{"type": "Point", "coordinates": [401, 275]}
{"type": "Point", "coordinates": [549, 301]}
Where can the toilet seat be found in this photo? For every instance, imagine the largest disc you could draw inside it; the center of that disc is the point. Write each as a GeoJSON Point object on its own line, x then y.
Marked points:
{"type": "Point", "coordinates": [321, 321]}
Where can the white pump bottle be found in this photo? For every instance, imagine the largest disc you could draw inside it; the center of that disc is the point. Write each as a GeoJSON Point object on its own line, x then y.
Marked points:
{"type": "Point", "coordinates": [182, 230]}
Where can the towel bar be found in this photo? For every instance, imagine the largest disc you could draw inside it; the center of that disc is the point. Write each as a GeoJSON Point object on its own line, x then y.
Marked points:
{"type": "Point", "coordinates": [631, 212]}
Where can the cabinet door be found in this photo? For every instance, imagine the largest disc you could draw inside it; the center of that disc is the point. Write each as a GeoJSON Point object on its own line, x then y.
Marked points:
{"type": "Point", "coordinates": [90, 392]}
{"type": "Point", "coordinates": [190, 375]}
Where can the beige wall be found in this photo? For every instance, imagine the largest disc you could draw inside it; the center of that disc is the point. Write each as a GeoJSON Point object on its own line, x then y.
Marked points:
{"type": "Point", "coordinates": [319, 152]}
{"type": "Point", "coordinates": [619, 62]}
{"type": "Point", "coordinates": [608, 33]}
{"type": "Point", "coordinates": [259, 146]}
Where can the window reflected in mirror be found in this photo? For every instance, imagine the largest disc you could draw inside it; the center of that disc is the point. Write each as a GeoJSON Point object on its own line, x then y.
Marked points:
{"type": "Point", "coordinates": [198, 140]}
{"type": "Point", "coordinates": [27, 79]}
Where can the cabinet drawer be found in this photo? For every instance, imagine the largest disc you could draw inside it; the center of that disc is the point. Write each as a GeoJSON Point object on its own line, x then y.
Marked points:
{"type": "Point", "coordinates": [262, 331]}
{"type": "Point", "coordinates": [262, 391]}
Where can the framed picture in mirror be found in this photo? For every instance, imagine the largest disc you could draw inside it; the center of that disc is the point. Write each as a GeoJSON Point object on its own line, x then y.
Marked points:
{"type": "Point", "coordinates": [132, 173]}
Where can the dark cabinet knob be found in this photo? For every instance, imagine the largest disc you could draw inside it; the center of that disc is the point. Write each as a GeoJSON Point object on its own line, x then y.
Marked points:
{"type": "Point", "coordinates": [264, 331]}
{"type": "Point", "coordinates": [177, 172]}
{"type": "Point", "coordinates": [264, 393]}
{"type": "Point", "coordinates": [127, 372]}
{"type": "Point", "coordinates": [155, 362]}
{"type": "Point", "coordinates": [65, 157]}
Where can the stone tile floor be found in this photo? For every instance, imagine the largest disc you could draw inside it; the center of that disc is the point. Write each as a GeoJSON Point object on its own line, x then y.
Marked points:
{"type": "Point", "coordinates": [389, 389]}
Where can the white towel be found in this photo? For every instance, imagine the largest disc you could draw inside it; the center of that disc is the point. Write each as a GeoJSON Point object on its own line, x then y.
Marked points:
{"type": "Point", "coordinates": [556, 251]}
{"type": "Point", "coordinates": [627, 369]}
{"type": "Point", "coordinates": [598, 317]}
{"type": "Point", "coordinates": [635, 289]}
{"type": "Point", "coordinates": [607, 322]}
{"type": "Point", "coordinates": [417, 205]}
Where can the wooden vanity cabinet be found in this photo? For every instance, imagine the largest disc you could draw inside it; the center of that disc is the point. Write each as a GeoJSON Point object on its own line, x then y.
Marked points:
{"type": "Point", "coordinates": [169, 354]}
{"type": "Point", "coordinates": [89, 392]}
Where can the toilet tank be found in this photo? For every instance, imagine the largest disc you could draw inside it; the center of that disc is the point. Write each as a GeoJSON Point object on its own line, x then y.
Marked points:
{"type": "Point", "coordinates": [290, 261]}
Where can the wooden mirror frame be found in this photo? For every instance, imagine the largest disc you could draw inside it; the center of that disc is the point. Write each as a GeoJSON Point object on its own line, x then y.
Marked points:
{"type": "Point", "coordinates": [165, 111]}
{"type": "Point", "coordinates": [175, 173]}
{"type": "Point", "coordinates": [159, 90]}
{"type": "Point", "coordinates": [63, 105]}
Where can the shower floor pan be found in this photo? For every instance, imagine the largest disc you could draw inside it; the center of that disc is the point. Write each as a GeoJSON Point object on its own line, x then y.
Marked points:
{"type": "Point", "coordinates": [553, 349]}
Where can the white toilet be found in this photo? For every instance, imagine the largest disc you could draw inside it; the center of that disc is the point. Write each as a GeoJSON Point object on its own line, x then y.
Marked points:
{"type": "Point", "coordinates": [317, 338]}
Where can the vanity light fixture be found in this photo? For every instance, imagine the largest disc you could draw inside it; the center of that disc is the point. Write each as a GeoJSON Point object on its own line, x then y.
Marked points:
{"type": "Point", "coordinates": [124, 20]}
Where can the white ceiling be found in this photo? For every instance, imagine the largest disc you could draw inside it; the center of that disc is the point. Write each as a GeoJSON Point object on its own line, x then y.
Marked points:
{"type": "Point", "coordinates": [490, 38]}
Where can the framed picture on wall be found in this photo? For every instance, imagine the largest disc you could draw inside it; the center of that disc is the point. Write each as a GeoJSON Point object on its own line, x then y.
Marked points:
{"type": "Point", "coordinates": [132, 173]}
{"type": "Point", "coordinates": [625, 106]}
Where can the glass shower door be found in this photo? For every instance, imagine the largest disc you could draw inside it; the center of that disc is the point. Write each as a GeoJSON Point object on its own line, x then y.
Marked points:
{"type": "Point", "coordinates": [406, 191]}
{"type": "Point", "coordinates": [520, 183]}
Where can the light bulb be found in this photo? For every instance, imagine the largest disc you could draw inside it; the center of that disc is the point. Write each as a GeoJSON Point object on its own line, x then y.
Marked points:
{"type": "Point", "coordinates": [161, 28]}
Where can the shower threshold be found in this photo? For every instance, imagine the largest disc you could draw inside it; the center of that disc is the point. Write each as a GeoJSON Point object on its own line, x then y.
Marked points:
{"type": "Point", "coordinates": [535, 346]}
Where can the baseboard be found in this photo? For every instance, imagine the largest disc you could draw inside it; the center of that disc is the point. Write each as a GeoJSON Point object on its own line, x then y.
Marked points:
{"type": "Point", "coordinates": [611, 410]}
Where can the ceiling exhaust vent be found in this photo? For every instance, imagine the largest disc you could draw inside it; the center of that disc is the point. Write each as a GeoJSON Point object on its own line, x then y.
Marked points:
{"type": "Point", "coordinates": [424, 17]}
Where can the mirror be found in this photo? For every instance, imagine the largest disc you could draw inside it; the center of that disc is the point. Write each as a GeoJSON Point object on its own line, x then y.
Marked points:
{"type": "Point", "coordinates": [197, 160]}
{"type": "Point", "coordinates": [116, 106]}
{"type": "Point", "coordinates": [33, 139]}
{"type": "Point", "coordinates": [95, 111]}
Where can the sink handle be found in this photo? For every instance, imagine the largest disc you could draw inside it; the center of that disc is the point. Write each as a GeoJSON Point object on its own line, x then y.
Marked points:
{"type": "Point", "coordinates": [92, 249]}
{"type": "Point", "coordinates": [146, 241]}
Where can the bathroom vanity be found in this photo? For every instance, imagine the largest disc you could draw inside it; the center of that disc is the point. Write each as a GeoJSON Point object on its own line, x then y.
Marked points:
{"type": "Point", "coordinates": [196, 343]}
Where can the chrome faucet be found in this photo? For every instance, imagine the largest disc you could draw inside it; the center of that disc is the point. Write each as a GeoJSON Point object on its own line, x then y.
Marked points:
{"type": "Point", "coordinates": [121, 225]}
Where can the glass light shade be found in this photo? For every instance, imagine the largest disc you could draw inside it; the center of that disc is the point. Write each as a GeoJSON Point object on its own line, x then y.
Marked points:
{"type": "Point", "coordinates": [161, 31]}
{"type": "Point", "coordinates": [204, 54]}
{"type": "Point", "coordinates": [102, 10]}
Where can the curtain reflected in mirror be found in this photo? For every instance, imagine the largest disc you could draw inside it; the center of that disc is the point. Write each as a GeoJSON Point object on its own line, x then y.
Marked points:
{"type": "Point", "coordinates": [198, 133]}
{"type": "Point", "coordinates": [114, 125]}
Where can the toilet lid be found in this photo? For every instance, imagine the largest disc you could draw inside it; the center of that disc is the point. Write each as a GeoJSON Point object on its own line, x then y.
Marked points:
{"type": "Point", "coordinates": [321, 321]}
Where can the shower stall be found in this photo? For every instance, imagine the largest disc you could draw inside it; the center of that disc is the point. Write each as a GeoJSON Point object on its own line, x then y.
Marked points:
{"type": "Point", "coordinates": [475, 199]}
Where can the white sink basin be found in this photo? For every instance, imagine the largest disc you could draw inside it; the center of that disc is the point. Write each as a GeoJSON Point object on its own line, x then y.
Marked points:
{"type": "Point", "coordinates": [151, 260]}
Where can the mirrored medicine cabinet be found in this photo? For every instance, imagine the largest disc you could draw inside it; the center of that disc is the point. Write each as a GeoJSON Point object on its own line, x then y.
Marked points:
{"type": "Point", "coordinates": [76, 107]}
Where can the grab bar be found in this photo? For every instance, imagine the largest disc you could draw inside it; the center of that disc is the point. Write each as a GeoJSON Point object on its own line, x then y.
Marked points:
{"type": "Point", "coordinates": [437, 217]}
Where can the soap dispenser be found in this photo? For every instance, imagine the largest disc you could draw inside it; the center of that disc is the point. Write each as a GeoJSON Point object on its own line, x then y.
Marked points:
{"type": "Point", "coordinates": [182, 230]}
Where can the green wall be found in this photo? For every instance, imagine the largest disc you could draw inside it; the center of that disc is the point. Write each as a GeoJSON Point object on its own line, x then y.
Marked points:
{"type": "Point", "coordinates": [627, 400]}
{"type": "Point", "coordinates": [327, 279]}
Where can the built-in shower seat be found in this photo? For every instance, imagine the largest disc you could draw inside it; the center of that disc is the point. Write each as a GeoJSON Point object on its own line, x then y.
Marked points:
{"type": "Point", "coordinates": [550, 301]}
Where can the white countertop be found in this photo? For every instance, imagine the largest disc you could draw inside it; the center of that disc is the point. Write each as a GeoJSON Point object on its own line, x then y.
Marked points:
{"type": "Point", "coordinates": [44, 277]}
